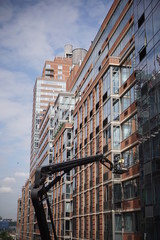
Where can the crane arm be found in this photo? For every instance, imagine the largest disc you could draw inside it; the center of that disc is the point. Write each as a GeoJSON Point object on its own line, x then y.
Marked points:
{"type": "Point", "coordinates": [40, 189]}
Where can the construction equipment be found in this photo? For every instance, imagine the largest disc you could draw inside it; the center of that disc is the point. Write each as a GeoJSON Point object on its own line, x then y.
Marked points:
{"type": "Point", "coordinates": [41, 186]}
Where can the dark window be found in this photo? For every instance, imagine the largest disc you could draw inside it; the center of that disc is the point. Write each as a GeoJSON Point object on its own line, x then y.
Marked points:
{"type": "Point", "coordinates": [105, 96]}
{"type": "Point", "coordinates": [141, 20]}
{"type": "Point", "coordinates": [97, 129]}
{"type": "Point", "coordinates": [97, 105]}
{"type": "Point", "coordinates": [85, 120]}
{"type": "Point", "coordinates": [142, 54]}
{"type": "Point", "coordinates": [91, 113]}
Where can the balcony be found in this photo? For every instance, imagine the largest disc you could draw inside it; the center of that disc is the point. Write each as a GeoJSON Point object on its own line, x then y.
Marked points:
{"type": "Point", "coordinates": [130, 140]}
{"type": "Point", "coordinates": [132, 108]}
{"type": "Point", "coordinates": [131, 204]}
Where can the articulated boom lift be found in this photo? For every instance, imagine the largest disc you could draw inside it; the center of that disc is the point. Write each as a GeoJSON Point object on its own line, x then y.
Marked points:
{"type": "Point", "coordinates": [40, 187]}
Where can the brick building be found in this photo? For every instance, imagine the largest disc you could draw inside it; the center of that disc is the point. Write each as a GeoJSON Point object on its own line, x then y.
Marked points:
{"type": "Point", "coordinates": [115, 90]}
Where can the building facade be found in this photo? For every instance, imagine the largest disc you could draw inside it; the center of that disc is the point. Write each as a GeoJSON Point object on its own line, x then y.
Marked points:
{"type": "Point", "coordinates": [107, 205]}
{"type": "Point", "coordinates": [112, 107]}
{"type": "Point", "coordinates": [147, 45]}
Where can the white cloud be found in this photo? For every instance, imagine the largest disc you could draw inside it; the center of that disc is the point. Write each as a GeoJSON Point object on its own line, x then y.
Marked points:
{"type": "Point", "coordinates": [16, 105]}
{"type": "Point", "coordinates": [21, 174]}
{"type": "Point", "coordinates": [39, 29]}
{"type": "Point", "coordinates": [6, 190]}
{"type": "Point", "coordinates": [8, 180]}
{"type": "Point", "coordinates": [35, 30]}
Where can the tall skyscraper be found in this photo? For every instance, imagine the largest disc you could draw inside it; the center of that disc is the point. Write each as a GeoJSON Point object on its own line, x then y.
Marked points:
{"type": "Point", "coordinates": [46, 89]}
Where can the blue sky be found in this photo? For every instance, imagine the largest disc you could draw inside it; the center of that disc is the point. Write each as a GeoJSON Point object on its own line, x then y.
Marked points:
{"type": "Point", "coordinates": [30, 33]}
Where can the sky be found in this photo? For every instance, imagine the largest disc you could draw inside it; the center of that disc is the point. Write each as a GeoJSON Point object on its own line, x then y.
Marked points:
{"type": "Point", "coordinates": [31, 32]}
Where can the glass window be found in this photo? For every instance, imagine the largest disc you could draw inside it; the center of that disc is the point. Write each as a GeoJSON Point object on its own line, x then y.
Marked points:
{"type": "Point", "coordinates": [132, 222]}
{"type": "Point", "coordinates": [85, 109]}
{"type": "Point", "coordinates": [48, 65]}
{"type": "Point", "coordinates": [97, 224]}
{"type": "Point", "coordinates": [97, 169]}
{"type": "Point", "coordinates": [68, 190]}
{"type": "Point", "coordinates": [91, 125]}
{"type": "Point", "coordinates": [117, 193]}
{"type": "Point", "coordinates": [97, 144]}
{"type": "Point", "coordinates": [115, 79]}
{"type": "Point", "coordinates": [107, 111]}
{"type": "Point", "coordinates": [86, 151]}
{"type": "Point", "coordinates": [91, 148]}
{"type": "Point", "coordinates": [157, 51]}
{"type": "Point", "coordinates": [149, 29]}
{"type": "Point", "coordinates": [97, 93]}
{"type": "Point", "coordinates": [118, 222]}
{"type": "Point", "coordinates": [131, 156]}
{"type": "Point", "coordinates": [147, 152]}
{"type": "Point", "coordinates": [116, 137]}
{"type": "Point", "coordinates": [125, 73]}
{"type": "Point", "coordinates": [129, 127]}
{"type": "Point", "coordinates": [97, 119]}
{"type": "Point", "coordinates": [107, 136]}
{"type": "Point", "coordinates": [59, 67]}
{"type": "Point", "coordinates": [75, 146]}
{"type": "Point", "coordinates": [91, 101]}
{"type": "Point", "coordinates": [91, 200]}
{"type": "Point", "coordinates": [106, 84]}
{"type": "Point", "coordinates": [85, 131]}
{"type": "Point", "coordinates": [131, 188]}
{"type": "Point", "coordinates": [80, 137]}
{"type": "Point", "coordinates": [80, 115]}
{"type": "Point", "coordinates": [154, 102]}
{"type": "Point", "coordinates": [124, 41]}
{"type": "Point", "coordinates": [91, 227]}
{"type": "Point", "coordinates": [115, 109]}
{"type": "Point", "coordinates": [128, 98]}
{"type": "Point", "coordinates": [105, 193]}
{"type": "Point", "coordinates": [60, 77]}
{"type": "Point", "coordinates": [97, 195]}
{"type": "Point", "coordinates": [75, 124]}
{"type": "Point", "coordinates": [128, 220]}
{"type": "Point", "coordinates": [156, 19]}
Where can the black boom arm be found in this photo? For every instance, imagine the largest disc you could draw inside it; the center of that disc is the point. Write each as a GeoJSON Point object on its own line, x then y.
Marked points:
{"type": "Point", "coordinates": [40, 188]}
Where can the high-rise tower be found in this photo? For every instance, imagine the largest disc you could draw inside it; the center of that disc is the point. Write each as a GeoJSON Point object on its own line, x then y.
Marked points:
{"type": "Point", "coordinates": [46, 89]}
